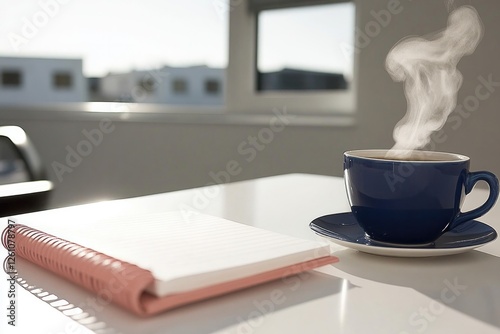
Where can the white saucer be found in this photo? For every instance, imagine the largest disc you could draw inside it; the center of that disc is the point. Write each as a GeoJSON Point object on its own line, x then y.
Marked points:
{"type": "Point", "coordinates": [344, 230]}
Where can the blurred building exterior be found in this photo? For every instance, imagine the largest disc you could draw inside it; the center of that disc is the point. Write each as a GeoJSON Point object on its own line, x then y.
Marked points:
{"type": "Point", "coordinates": [194, 85]}
{"type": "Point", "coordinates": [52, 80]}
{"type": "Point", "coordinates": [40, 80]}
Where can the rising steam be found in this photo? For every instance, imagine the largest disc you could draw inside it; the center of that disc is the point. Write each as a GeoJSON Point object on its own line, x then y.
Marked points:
{"type": "Point", "coordinates": [427, 66]}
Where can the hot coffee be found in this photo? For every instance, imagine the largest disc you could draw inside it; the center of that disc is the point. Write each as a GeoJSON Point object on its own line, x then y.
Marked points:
{"type": "Point", "coordinates": [421, 159]}
{"type": "Point", "coordinates": [404, 155]}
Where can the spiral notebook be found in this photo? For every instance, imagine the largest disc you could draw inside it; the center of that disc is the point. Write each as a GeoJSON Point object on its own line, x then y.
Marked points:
{"type": "Point", "coordinates": [149, 263]}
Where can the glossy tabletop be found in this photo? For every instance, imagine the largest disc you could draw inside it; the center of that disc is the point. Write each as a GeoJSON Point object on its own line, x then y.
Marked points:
{"type": "Point", "coordinates": [362, 293]}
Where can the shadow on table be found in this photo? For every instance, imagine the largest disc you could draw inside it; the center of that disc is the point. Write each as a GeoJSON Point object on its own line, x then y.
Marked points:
{"type": "Point", "coordinates": [467, 282]}
{"type": "Point", "coordinates": [240, 310]}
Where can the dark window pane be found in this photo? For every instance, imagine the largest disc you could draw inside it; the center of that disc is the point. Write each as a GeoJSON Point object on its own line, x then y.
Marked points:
{"type": "Point", "coordinates": [148, 85]}
{"type": "Point", "coordinates": [212, 86]}
{"type": "Point", "coordinates": [11, 78]}
{"type": "Point", "coordinates": [62, 80]}
{"type": "Point", "coordinates": [179, 86]}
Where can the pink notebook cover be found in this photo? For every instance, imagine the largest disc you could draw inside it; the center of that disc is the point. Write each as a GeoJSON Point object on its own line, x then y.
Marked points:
{"type": "Point", "coordinates": [123, 283]}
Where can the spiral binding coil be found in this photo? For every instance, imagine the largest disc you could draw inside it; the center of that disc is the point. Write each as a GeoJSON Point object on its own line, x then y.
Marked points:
{"type": "Point", "coordinates": [111, 279]}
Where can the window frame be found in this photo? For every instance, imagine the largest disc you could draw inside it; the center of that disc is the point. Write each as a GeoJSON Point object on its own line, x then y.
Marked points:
{"type": "Point", "coordinates": [244, 105]}
{"type": "Point", "coordinates": [241, 93]}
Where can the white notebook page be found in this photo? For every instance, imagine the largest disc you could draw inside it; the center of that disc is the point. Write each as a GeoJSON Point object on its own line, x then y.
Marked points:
{"type": "Point", "coordinates": [181, 253]}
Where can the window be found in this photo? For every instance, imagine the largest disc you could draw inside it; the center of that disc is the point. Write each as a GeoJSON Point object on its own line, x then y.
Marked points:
{"type": "Point", "coordinates": [94, 85]}
{"type": "Point", "coordinates": [179, 86]}
{"type": "Point", "coordinates": [228, 57]}
{"type": "Point", "coordinates": [212, 86]}
{"type": "Point", "coordinates": [11, 78]}
{"type": "Point", "coordinates": [148, 85]}
{"type": "Point", "coordinates": [62, 80]}
{"type": "Point", "coordinates": [279, 65]}
{"type": "Point", "coordinates": [300, 48]}
{"type": "Point", "coordinates": [132, 41]}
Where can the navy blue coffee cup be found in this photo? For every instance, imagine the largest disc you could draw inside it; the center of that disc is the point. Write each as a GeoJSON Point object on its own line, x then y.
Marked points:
{"type": "Point", "coordinates": [413, 199]}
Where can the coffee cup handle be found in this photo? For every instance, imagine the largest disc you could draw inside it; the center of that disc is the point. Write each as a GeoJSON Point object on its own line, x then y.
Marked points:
{"type": "Point", "coordinates": [471, 179]}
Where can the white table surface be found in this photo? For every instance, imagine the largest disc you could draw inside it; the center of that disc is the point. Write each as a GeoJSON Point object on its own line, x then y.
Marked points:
{"type": "Point", "coordinates": [362, 293]}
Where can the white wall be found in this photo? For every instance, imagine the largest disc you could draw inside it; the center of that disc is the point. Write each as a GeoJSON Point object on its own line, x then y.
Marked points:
{"type": "Point", "coordinates": [36, 80]}
{"type": "Point", "coordinates": [148, 157]}
{"type": "Point", "coordinates": [126, 86]}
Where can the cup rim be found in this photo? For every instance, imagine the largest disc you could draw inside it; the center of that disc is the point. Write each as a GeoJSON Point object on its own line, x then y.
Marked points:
{"type": "Point", "coordinates": [380, 155]}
